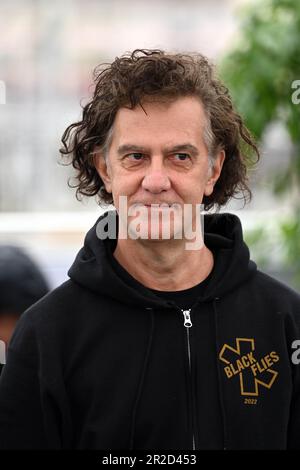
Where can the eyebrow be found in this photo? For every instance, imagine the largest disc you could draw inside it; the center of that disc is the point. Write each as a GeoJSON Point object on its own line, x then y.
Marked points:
{"type": "Point", "coordinates": [185, 147]}
{"type": "Point", "coordinates": [126, 148]}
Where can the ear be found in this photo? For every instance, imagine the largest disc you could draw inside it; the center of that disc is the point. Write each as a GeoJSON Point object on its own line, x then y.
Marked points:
{"type": "Point", "coordinates": [214, 173]}
{"type": "Point", "coordinates": [102, 166]}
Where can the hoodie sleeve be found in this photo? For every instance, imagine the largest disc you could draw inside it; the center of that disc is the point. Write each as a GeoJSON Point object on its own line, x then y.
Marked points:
{"type": "Point", "coordinates": [294, 424]}
{"type": "Point", "coordinates": [21, 415]}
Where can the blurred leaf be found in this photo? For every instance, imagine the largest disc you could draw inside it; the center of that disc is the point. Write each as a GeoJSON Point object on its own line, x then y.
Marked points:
{"type": "Point", "coordinates": [259, 71]}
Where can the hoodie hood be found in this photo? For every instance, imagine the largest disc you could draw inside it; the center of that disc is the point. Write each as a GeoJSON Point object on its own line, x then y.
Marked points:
{"type": "Point", "coordinates": [223, 235]}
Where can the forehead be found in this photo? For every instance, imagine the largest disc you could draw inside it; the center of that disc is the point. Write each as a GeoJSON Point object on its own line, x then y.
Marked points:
{"type": "Point", "coordinates": [183, 117]}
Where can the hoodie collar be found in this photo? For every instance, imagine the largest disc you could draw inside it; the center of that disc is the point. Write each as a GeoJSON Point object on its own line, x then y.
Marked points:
{"type": "Point", "coordinates": [94, 270]}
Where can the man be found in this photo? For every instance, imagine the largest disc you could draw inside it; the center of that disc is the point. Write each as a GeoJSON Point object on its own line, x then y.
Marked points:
{"type": "Point", "coordinates": [21, 285]}
{"type": "Point", "coordinates": [154, 344]}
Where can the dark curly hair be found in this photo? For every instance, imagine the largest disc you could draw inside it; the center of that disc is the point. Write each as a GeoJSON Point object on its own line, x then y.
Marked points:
{"type": "Point", "coordinates": [156, 74]}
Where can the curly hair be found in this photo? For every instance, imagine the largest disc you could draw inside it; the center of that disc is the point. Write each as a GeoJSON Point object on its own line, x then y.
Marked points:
{"type": "Point", "coordinates": [155, 74]}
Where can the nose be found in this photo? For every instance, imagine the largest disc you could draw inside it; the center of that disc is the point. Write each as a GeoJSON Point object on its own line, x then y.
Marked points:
{"type": "Point", "coordinates": [156, 180]}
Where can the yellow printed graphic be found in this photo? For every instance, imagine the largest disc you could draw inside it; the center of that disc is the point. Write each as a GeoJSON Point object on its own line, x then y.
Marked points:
{"type": "Point", "coordinates": [240, 361]}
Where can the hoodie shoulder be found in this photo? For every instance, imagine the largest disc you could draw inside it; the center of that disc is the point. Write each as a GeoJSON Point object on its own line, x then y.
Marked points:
{"type": "Point", "coordinates": [278, 296]}
{"type": "Point", "coordinates": [60, 300]}
{"type": "Point", "coordinates": [277, 288]}
{"type": "Point", "coordinates": [50, 319]}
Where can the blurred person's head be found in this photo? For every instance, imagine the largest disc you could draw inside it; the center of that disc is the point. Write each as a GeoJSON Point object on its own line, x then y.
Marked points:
{"type": "Point", "coordinates": [153, 75]}
{"type": "Point", "coordinates": [21, 285]}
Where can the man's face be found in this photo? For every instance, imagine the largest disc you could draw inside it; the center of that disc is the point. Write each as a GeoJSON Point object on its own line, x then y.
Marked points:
{"type": "Point", "coordinates": [159, 156]}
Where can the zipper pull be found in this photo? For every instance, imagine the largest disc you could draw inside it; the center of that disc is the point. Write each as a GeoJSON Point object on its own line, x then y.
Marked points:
{"type": "Point", "coordinates": [187, 318]}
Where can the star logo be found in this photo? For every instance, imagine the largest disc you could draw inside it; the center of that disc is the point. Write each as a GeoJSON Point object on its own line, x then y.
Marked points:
{"type": "Point", "coordinates": [252, 373]}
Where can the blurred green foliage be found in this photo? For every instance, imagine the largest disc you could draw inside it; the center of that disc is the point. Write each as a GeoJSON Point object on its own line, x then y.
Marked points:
{"type": "Point", "coordinates": [260, 72]}
{"type": "Point", "coordinates": [291, 235]}
{"type": "Point", "coordinates": [256, 238]}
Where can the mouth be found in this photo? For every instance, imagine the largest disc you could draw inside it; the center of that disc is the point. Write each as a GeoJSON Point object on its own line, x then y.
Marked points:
{"type": "Point", "coordinates": [155, 205]}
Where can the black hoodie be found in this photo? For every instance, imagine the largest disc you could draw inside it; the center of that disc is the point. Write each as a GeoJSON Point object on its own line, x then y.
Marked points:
{"type": "Point", "coordinates": [103, 363]}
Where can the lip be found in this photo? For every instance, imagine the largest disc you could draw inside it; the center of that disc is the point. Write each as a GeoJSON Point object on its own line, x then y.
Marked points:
{"type": "Point", "coordinates": [155, 204]}
{"type": "Point", "coordinates": [156, 207]}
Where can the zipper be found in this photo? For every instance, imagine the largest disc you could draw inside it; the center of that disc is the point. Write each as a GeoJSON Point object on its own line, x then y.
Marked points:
{"type": "Point", "coordinates": [188, 324]}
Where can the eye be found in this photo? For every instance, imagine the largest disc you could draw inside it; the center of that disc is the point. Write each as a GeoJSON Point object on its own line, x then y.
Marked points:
{"type": "Point", "coordinates": [134, 160]}
{"type": "Point", "coordinates": [182, 157]}
{"type": "Point", "coordinates": [135, 156]}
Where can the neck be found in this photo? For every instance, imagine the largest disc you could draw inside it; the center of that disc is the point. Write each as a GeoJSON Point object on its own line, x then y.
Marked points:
{"type": "Point", "coordinates": [165, 266]}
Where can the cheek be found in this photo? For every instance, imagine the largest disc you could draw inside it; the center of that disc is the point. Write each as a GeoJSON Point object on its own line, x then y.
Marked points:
{"type": "Point", "coordinates": [189, 184]}
{"type": "Point", "coordinates": [125, 184]}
